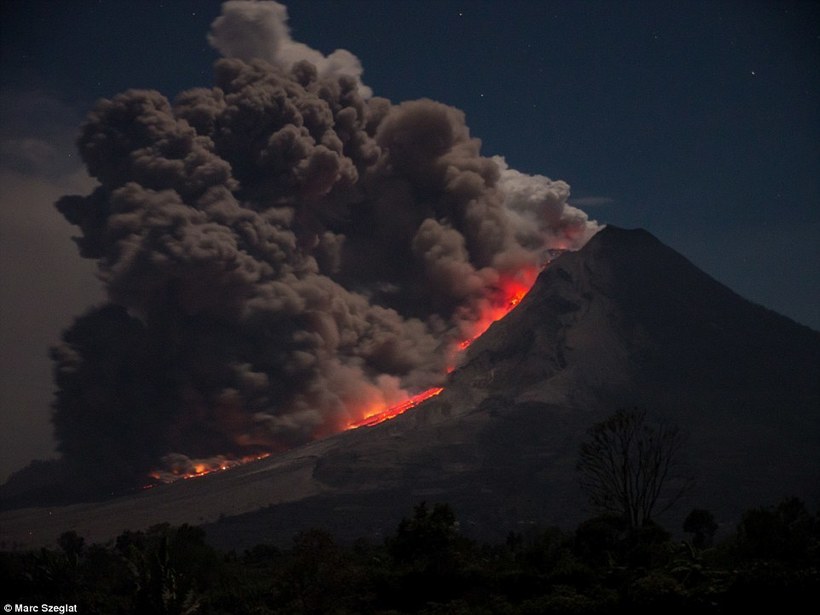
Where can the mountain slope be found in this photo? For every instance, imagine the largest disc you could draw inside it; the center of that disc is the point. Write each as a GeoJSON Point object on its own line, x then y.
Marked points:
{"type": "Point", "coordinates": [624, 321]}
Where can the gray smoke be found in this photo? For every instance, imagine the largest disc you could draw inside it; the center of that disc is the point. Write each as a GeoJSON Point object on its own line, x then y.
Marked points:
{"type": "Point", "coordinates": [280, 252]}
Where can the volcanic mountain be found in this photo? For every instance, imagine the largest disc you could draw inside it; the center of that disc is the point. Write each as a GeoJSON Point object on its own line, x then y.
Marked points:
{"type": "Point", "coordinates": [625, 321]}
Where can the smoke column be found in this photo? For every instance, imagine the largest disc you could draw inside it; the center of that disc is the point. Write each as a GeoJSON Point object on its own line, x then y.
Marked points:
{"type": "Point", "coordinates": [280, 251]}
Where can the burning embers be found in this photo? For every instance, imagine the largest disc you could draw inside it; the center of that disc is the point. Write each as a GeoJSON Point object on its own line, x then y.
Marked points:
{"type": "Point", "coordinates": [379, 416]}
{"type": "Point", "coordinates": [181, 466]}
{"type": "Point", "coordinates": [511, 290]}
{"type": "Point", "coordinates": [509, 293]}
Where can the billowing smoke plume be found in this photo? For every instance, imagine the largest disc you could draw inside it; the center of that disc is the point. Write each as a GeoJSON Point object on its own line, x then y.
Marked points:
{"type": "Point", "coordinates": [280, 251]}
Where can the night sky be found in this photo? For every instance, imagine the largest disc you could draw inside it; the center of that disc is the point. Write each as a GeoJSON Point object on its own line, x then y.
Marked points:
{"type": "Point", "coordinates": [699, 121]}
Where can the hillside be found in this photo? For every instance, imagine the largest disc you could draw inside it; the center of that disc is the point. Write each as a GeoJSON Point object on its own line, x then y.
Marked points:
{"type": "Point", "coordinates": [625, 321]}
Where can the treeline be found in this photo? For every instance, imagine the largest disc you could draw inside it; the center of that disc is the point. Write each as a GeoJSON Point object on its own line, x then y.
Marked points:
{"type": "Point", "coordinates": [771, 561]}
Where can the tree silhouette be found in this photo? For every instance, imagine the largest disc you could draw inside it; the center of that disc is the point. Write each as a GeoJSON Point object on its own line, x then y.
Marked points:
{"type": "Point", "coordinates": [628, 465]}
{"type": "Point", "coordinates": [701, 524]}
{"type": "Point", "coordinates": [428, 541]}
{"type": "Point", "coordinates": [317, 573]}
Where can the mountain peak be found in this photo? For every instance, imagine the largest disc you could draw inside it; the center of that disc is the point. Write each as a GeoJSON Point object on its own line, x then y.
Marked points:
{"type": "Point", "coordinates": [628, 296]}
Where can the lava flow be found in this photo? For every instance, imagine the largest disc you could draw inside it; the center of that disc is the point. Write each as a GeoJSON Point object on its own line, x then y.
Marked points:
{"type": "Point", "coordinates": [194, 468]}
{"type": "Point", "coordinates": [509, 294]}
{"type": "Point", "coordinates": [394, 411]}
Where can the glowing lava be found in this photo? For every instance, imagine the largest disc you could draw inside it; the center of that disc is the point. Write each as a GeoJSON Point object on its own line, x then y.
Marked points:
{"type": "Point", "coordinates": [200, 467]}
{"type": "Point", "coordinates": [509, 293]}
{"type": "Point", "coordinates": [393, 411]}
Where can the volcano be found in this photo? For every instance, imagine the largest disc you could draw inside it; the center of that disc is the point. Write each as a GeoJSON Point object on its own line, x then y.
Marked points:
{"type": "Point", "coordinates": [625, 321]}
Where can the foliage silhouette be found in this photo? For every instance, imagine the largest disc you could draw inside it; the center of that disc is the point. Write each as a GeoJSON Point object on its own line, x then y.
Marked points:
{"type": "Point", "coordinates": [701, 524]}
{"type": "Point", "coordinates": [628, 466]}
{"type": "Point", "coordinates": [426, 566]}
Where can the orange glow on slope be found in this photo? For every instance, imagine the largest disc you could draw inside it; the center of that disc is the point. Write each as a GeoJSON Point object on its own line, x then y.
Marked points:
{"type": "Point", "coordinates": [509, 293]}
{"type": "Point", "coordinates": [394, 411]}
{"type": "Point", "coordinates": [201, 467]}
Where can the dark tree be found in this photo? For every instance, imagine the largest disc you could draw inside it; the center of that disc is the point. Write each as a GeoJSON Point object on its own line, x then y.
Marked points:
{"type": "Point", "coordinates": [428, 541]}
{"type": "Point", "coordinates": [788, 533]}
{"type": "Point", "coordinates": [317, 574]}
{"type": "Point", "coordinates": [628, 466]}
{"type": "Point", "coordinates": [72, 544]}
{"type": "Point", "coordinates": [701, 524]}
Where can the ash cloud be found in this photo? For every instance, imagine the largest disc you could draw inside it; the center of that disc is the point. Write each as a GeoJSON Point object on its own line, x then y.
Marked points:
{"type": "Point", "coordinates": [259, 30]}
{"type": "Point", "coordinates": [279, 251]}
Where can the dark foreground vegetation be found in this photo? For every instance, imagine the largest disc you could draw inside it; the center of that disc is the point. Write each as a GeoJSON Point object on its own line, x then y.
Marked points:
{"type": "Point", "coordinates": [771, 561]}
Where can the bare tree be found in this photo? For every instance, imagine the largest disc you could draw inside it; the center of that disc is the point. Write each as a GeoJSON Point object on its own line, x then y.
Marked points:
{"type": "Point", "coordinates": [628, 466]}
